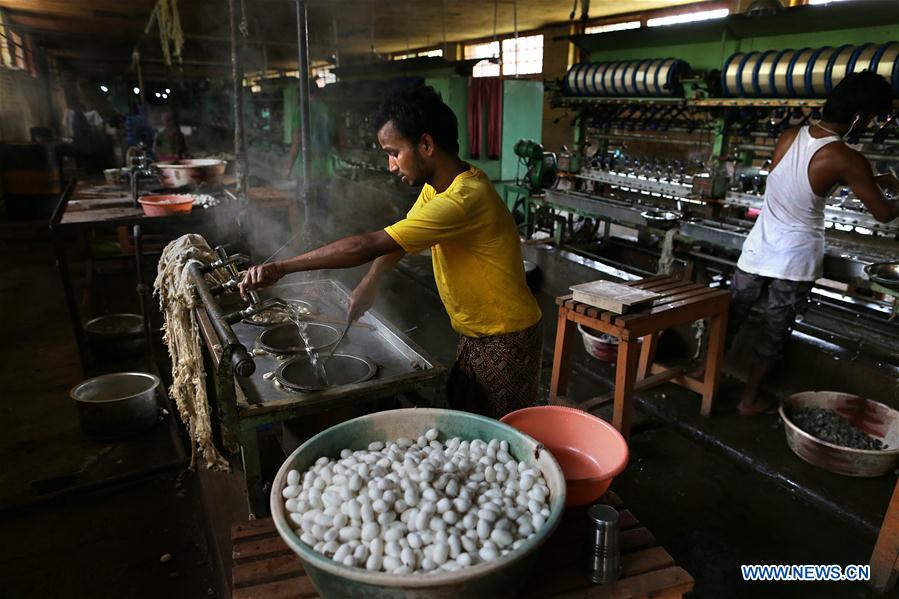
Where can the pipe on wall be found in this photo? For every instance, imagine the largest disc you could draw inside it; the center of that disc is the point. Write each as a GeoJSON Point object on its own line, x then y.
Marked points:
{"type": "Point", "coordinates": [303, 184]}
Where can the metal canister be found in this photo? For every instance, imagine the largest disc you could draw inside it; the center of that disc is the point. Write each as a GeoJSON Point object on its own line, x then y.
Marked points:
{"type": "Point", "coordinates": [603, 552]}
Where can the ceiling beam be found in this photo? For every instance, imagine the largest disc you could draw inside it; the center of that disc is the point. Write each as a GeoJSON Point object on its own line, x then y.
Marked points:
{"type": "Point", "coordinates": [90, 8]}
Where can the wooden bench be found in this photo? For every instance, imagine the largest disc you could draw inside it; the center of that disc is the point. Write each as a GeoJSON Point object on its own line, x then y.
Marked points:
{"type": "Point", "coordinates": [680, 302]}
{"type": "Point", "coordinates": [265, 568]}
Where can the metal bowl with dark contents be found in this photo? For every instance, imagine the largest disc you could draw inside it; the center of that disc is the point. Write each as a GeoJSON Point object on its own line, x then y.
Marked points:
{"type": "Point", "coordinates": [297, 373]}
{"type": "Point", "coordinates": [661, 219]}
{"type": "Point", "coordinates": [284, 339]}
{"type": "Point", "coordinates": [884, 273]}
{"type": "Point", "coordinates": [871, 417]}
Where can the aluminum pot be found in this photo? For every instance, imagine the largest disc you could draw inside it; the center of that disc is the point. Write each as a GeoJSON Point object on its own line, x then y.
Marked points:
{"type": "Point", "coordinates": [117, 405]}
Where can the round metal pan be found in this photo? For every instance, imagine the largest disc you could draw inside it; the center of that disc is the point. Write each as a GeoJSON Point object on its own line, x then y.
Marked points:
{"type": "Point", "coordinates": [284, 339]}
{"type": "Point", "coordinates": [310, 310]}
{"type": "Point", "coordinates": [884, 273]}
{"type": "Point", "coordinates": [297, 374]}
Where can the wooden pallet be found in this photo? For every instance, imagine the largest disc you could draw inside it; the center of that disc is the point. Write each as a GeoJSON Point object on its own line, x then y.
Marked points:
{"type": "Point", "coordinates": [265, 568]}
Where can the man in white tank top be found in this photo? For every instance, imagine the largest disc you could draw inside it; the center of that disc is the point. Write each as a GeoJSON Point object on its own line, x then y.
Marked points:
{"type": "Point", "coordinates": [784, 252]}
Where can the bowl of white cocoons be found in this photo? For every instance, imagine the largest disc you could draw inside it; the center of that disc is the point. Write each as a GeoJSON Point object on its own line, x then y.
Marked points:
{"type": "Point", "coordinates": [419, 502]}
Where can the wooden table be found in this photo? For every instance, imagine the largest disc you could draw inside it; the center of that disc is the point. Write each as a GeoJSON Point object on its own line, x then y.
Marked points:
{"type": "Point", "coordinates": [264, 567]}
{"type": "Point", "coordinates": [680, 302]}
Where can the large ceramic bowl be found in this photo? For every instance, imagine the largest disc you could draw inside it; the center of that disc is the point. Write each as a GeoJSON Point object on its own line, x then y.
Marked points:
{"type": "Point", "coordinates": [503, 577]}
{"type": "Point", "coordinates": [590, 450]}
{"type": "Point", "coordinates": [872, 417]}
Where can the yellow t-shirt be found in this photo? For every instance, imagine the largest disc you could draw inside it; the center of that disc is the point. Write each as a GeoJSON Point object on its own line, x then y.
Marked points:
{"type": "Point", "coordinates": [476, 254]}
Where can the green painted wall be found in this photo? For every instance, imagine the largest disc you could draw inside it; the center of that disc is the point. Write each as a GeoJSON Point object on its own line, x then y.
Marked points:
{"type": "Point", "coordinates": [711, 55]}
{"type": "Point", "coordinates": [522, 118]}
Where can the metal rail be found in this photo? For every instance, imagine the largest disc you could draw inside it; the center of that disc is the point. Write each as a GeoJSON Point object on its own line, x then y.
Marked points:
{"type": "Point", "coordinates": [241, 360]}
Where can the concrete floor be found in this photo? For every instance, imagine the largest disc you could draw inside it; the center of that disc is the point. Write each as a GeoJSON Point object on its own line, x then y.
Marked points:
{"type": "Point", "coordinates": [716, 493]}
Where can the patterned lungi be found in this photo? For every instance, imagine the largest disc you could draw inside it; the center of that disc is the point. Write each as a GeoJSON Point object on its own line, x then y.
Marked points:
{"type": "Point", "coordinates": [498, 374]}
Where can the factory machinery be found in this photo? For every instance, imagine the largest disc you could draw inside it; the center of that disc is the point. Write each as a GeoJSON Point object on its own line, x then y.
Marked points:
{"type": "Point", "coordinates": [668, 160]}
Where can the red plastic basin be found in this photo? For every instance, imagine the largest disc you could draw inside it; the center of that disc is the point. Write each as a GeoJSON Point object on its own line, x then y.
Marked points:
{"type": "Point", "coordinates": [590, 451]}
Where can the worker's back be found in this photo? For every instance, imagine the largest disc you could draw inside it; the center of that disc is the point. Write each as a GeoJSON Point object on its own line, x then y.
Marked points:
{"type": "Point", "coordinates": [787, 241]}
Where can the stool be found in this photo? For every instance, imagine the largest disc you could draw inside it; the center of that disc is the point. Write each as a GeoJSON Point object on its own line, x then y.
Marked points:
{"type": "Point", "coordinates": [679, 302]}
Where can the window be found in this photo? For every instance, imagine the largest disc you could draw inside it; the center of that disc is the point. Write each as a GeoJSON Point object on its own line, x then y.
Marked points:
{"type": "Point", "coordinates": [438, 52]}
{"type": "Point", "coordinates": [523, 55]}
{"type": "Point", "coordinates": [487, 50]}
{"type": "Point", "coordinates": [702, 15]}
{"type": "Point", "coordinates": [18, 50]}
{"type": "Point", "coordinates": [819, 2]}
{"type": "Point", "coordinates": [5, 58]}
{"type": "Point", "coordinates": [323, 75]}
{"type": "Point", "coordinates": [613, 27]}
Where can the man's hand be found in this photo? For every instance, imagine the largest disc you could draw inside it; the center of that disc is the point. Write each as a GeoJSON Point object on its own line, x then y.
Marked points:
{"type": "Point", "coordinates": [260, 276]}
{"type": "Point", "coordinates": [361, 300]}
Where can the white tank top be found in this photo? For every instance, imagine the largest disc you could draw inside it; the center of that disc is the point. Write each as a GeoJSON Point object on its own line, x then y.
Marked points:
{"type": "Point", "coordinates": [787, 240]}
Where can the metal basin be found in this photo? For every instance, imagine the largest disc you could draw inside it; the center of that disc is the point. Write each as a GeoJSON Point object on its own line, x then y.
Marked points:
{"type": "Point", "coordinates": [115, 335]}
{"type": "Point", "coordinates": [341, 369]}
{"type": "Point", "coordinates": [117, 405]}
{"type": "Point", "coordinates": [503, 577]}
{"type": "Point", "coordinates": [884, 273]}
{"type": "Point", "coordinates": [279, 314]}
{"type": "Point", "coordinates": [661, 219]}
{"type": "Point", "coordinates": [284, 339]}
{"type": "Point", "coordinates": [872, 417]}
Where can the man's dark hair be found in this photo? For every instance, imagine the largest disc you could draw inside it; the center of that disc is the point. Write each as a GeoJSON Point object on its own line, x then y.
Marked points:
{"type": "Point", "coordinates": [863, 93]}
{"type": "Point", "coordinates": [419, 111]}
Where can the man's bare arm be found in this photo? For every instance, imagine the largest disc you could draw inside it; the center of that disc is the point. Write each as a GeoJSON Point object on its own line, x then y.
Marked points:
{"type": "Point", "coordinates": [856, 172]}
{"type": "Point", "coordinates": [343, 253]}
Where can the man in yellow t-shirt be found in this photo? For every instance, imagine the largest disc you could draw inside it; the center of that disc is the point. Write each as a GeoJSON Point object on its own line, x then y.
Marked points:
{"type": "Point", "coordinates": [476, 255]}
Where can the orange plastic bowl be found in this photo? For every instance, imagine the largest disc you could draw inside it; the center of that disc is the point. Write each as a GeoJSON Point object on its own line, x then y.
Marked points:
{"type": "Point", "coordinates": [163, 205]}
{"type": "Point", "coordinates": [590, 451]}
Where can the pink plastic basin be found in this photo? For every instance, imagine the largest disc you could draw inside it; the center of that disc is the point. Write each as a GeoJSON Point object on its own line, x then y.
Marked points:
{"type": "Point", "coordinates": [590, 451]}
